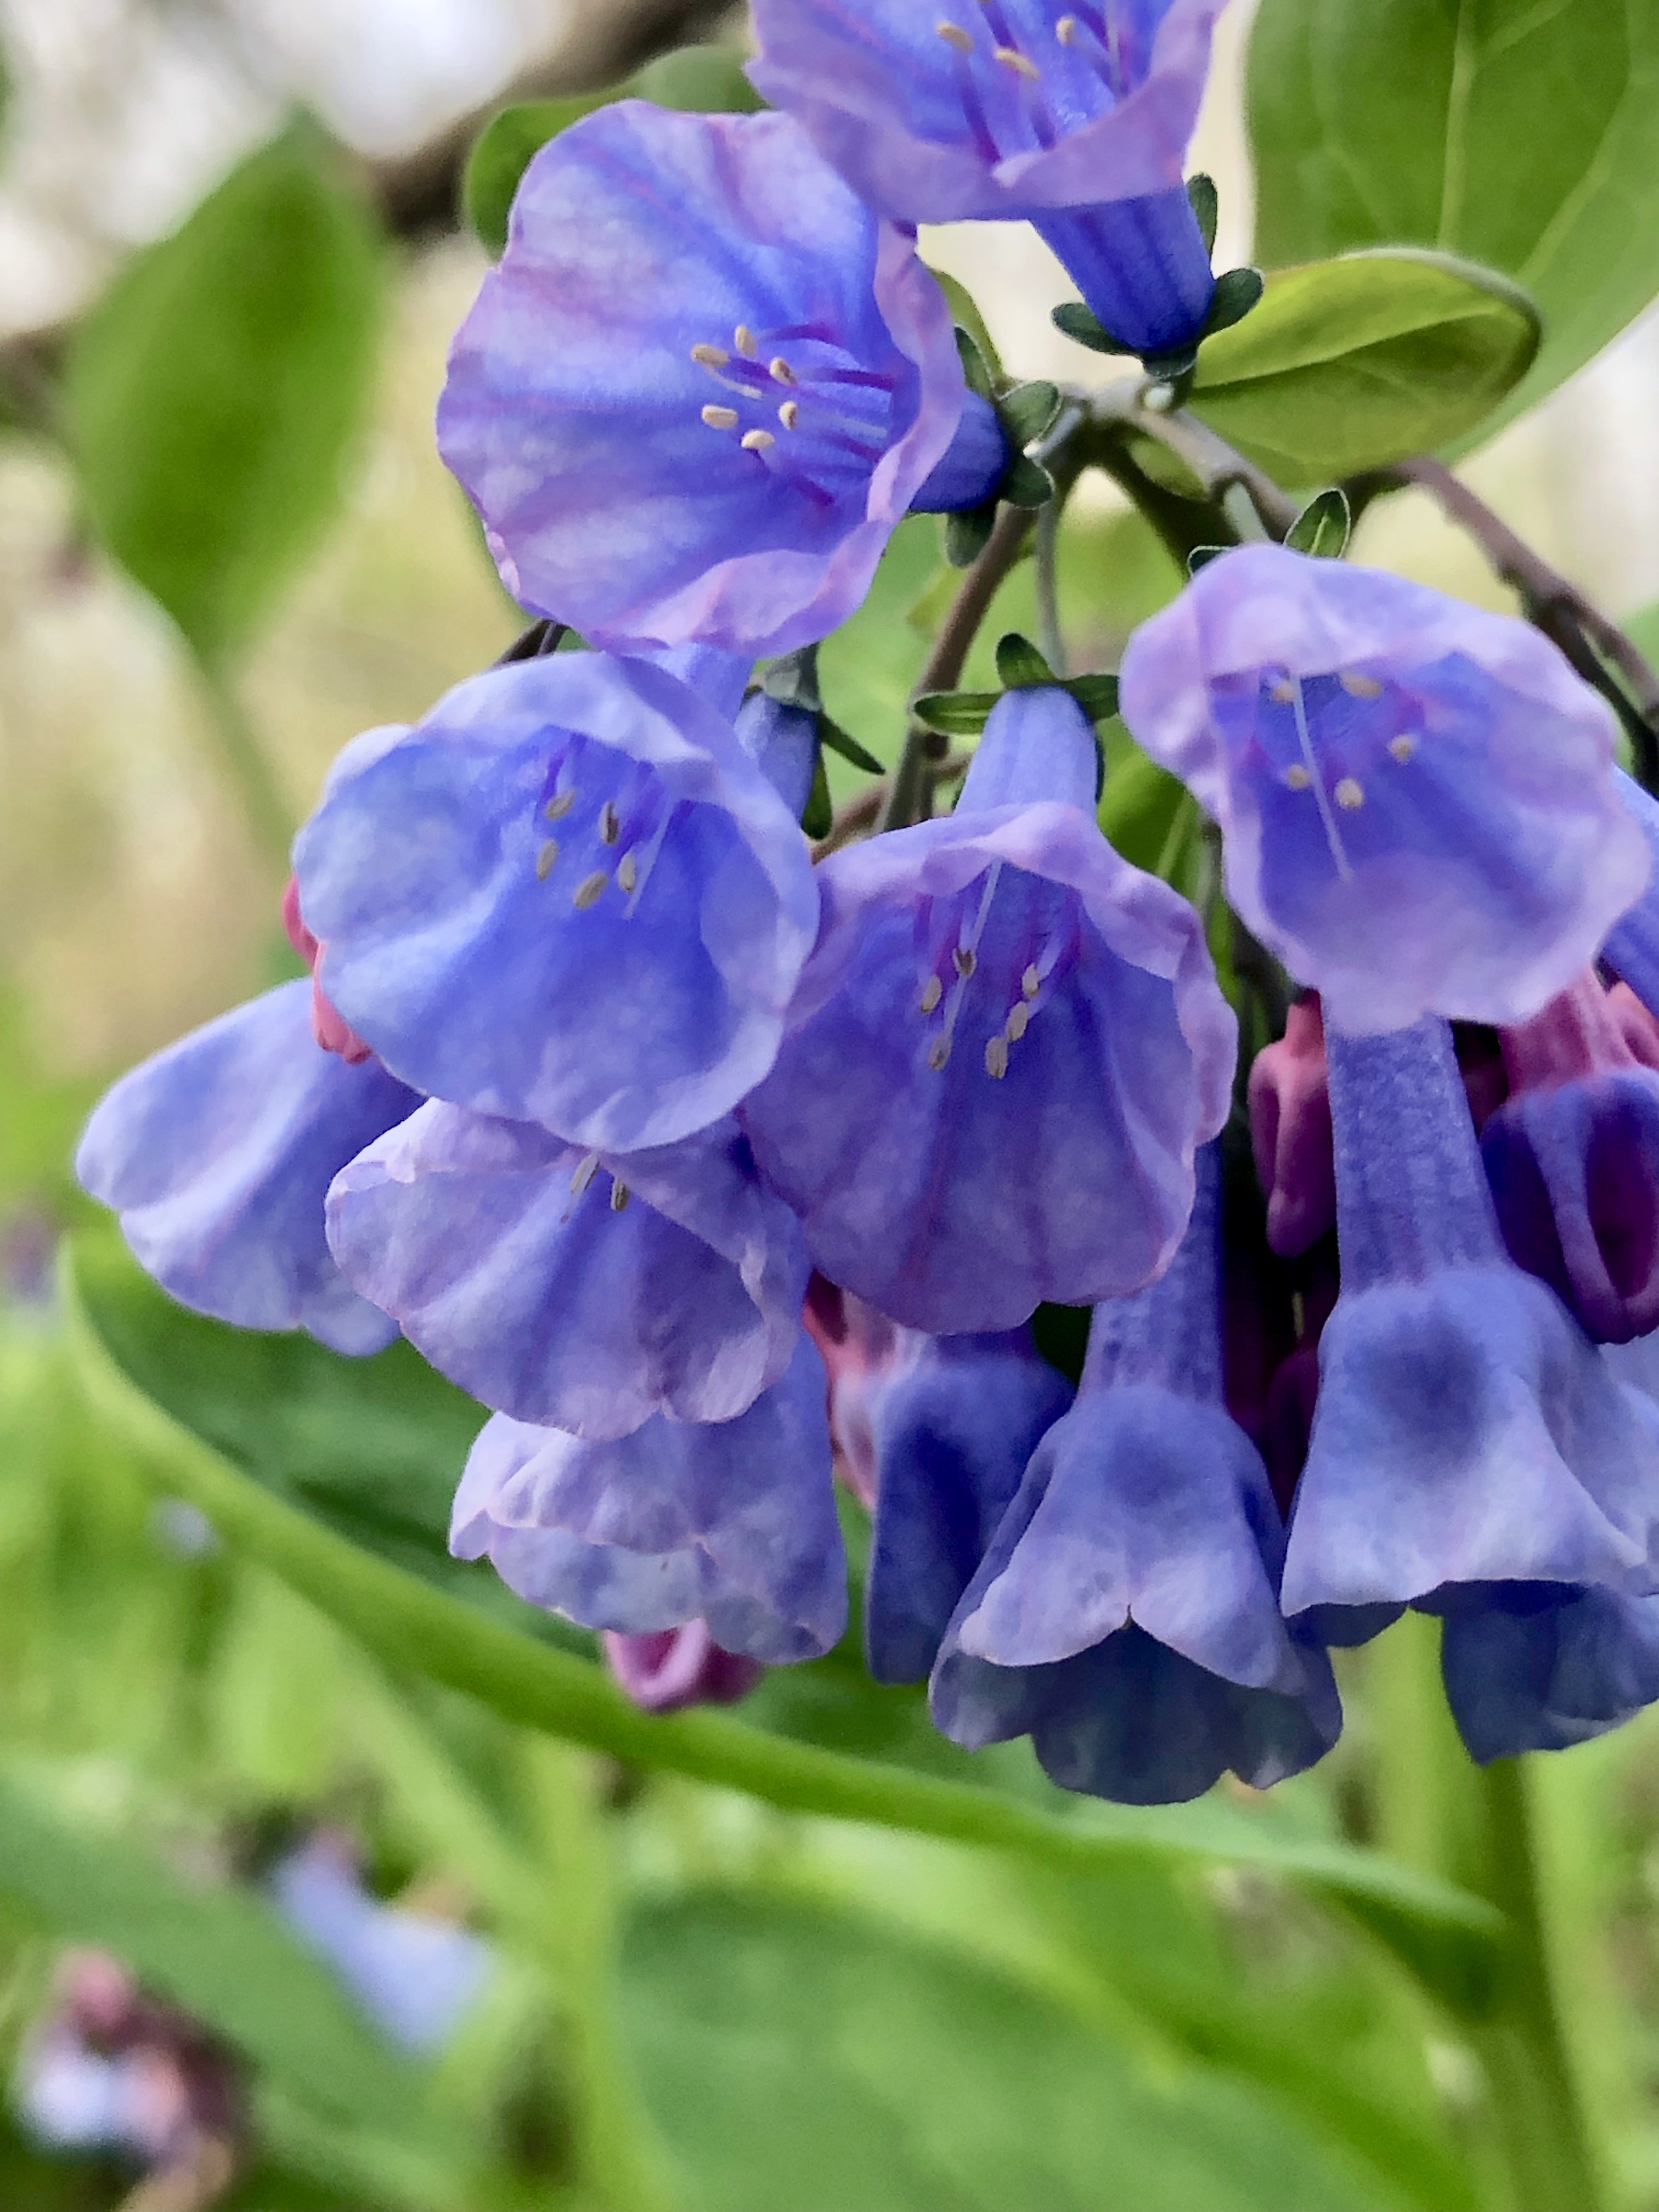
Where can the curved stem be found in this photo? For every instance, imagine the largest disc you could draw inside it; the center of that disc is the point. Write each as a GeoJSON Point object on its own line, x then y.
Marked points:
{"type": "Point", "coordinates": [263, 808]}
{"type": "Point", "coordinates": [1217, 466]}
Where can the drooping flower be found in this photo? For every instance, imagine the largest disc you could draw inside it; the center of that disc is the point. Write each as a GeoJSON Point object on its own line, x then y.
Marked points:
{"type": "Point", "coordinates": [1632, 949]}
{"type": "Point", "coordinates": [1004, 1051]}
{"type": "Point", "coordinates": [218, 1155]}
{"type": "Point", "coordinates": [1415, 796]}
{"type": "Point", "coordinates": [582, 1290]}
{"type": "Point", "coordinates": [1541, 1665]}
{"type": "Point", "coordinates": [1572, 1156]}
{"type": "Point", "coordinates": [1126, 1614]}
{"type": "Point", "coordinates": [1291, 1131]}
{"type": "Point", "coordinates": [677, 1667]}
{"type": "Point", "coordinates": [1074, 116]}
{"type": "Point", "coordinates": [953, 1430]}
{"type": "Point", "coordinates": [733, 1522]}
{"type": "Point", "coordinates": [1467, 1432]}
{"type": "Point", "coordinates": [568, 895]}
{"type": "Point", "coordinates": [703, 386]}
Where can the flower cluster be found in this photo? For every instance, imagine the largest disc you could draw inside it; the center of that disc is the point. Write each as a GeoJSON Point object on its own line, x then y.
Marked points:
{"type": "Point", "coordinates": [708, 1169]}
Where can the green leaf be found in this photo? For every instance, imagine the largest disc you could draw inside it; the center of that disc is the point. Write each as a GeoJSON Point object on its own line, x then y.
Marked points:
{"type": "Point", "coordinates": [965, 313]}
{"type": "Point", "coordinates": [1523, 136]}
{"type": "Point", "coordinates": [1019, 665]}
{"type": "Point", "coordinates": [178, 1390]}
{"type": "Point", "coordinates": [221, 1952]}
{"type": "Point", "coordinates": [1026, 484]}
{"type": "Point", "coordinates": [805, 2057]}
{"type": "Point", "coordinates": [1073, 320]}
{"type": "Point", "coordinates": [819, 815]}
{"type": "Point", "coordinates": [966, 533]}
{"type": "Point", "coordinates": [1206, 203]}
{"type": "Point", "coordinates": [1095, 695]}
{"type": "Point", "coordinates": [213, 394]}
{"type": "Point", "coordinates": [702, 80]}
{"type": "Point", "coordinates": [956, 713]}
{"type": "Point", "coordinates": [1236, 294]}
{"type": "Point", "coordinates": [834, 739]}
{"type": "Point", "coordinates": [975, 371]}
{"type": "Point", "coordinates": [1349, 364]}
{"type": "Point", "coordinates": [1027, 409]}
{"type": "Point", "coordinates": [1324, 526]}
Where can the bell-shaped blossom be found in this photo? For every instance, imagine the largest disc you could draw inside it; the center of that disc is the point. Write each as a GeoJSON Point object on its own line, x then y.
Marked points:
{"type": "Point", "coordinates": [1467, 1432]}
{"type": "Point", "coordinates": [568, 895]}
{"type": "Point", "coordinates": [584, 1290]}
{"type": "Point", "coordinates": [1006, 1048]}
{"type": "Point", "coordinates": [953, 1433]}
{"type": "Point", "coordinates": [1572, 1156]}
{"type": "Point", "coordinates": [1076, 118]}
{"type": "Point", "coordinates": [1291, 1131]}
{"type": "Point", "coordinates": [1416, 797]}
{"type": "Point", "coordinates": [1126, 1614]}
{"type": "Point", "coordinates": [732, 1522]}
{"type": "Point", "coordinates": [678, 1667]}
{"type": "Point", "coordinates": [218, 1155]}
{"type": "Point", "coordinates": [703, 386]}
{"type": "Point", "coordinates": [1541, 1665]}
{"type": "Point", "coordinates": [1632, 949]}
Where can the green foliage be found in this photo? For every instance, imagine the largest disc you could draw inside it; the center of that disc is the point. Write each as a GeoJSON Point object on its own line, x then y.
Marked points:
{"type": "Point", "coordinates": [213, 395]}
{"type": "Point", "coordinates": [1525, 136]}
{"type": "Point", "coordinates": [1323, 527]}
{"type": "Point", "coordinates": [1351, 363]}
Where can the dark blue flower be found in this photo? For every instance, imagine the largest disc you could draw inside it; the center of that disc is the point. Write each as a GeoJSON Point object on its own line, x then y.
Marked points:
{"type": "Point", "coordinates": [703, 386]}
{"type": "Point", "coordinates": [1075, 117]}
{"type": "Point", "coordinates": [1466, 1432]}
{"type": "Point", "coordinates": [1416, 796]}
{"type": "Point", "coordinates": [1126, 1614]}
{"type": "Point", "coordinates": [568, 895]}
{"type": "Point", "coordinates": [582, 1290]}
{"type": "Point", "coordinates": [218, 1155]}
{"type": "Point", "coordinates": [732, 1523]}
{"type": "Point", "coordinates": [953, 1430]}
{"type": "Point", "coordinates": [1005, 1050]}
{"type": "Point", "coordinates": [1540, 1665]}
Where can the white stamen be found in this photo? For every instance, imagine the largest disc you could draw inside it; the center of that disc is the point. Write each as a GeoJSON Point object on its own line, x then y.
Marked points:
{"type": "Point", "coordinates": [1402, 748]}
{"type": "Point", "coordinates": [590, 889]}
{"type": "Point", "coordinates": [964, 960]}
{"type": "Point", "coordinates": [789, 414]}
{"type": "Point", "coordinates": [1350, 794]}
{"type": "Point", "coordinates": [545, 859]}
{"type": "Point", "coordinates": [618, 1196]}
{"type": "Point", "coordinates": [710, 356]}
{"type": "Point", "coordinates": [1022, 64]}
{"type": "Point", "coordinates": [1019, 1016]}
{"type": "Point", "coordinates": [1358, 686]}
{"type": "Point", "coordinates": [743, 338]}
{"type": "Point", "coordinates": [587, 1168]}
{"type": "Point", "coordinates": [628, 872]}
{"type": "Point", "coordinates": [938, 1053]}
{"type": "Point", "coordinates": [609, 822]}
{"type": "Point", "coordinates": [996, 1057]}
{"type": "Point", "coordinates": [954, 35]}
{"type": "Point", "coordinates": [780, 371]}
{"type": "Point", "coordinates": [931, 991]}
{"type": "Point", "coordinates": [1066, 29]}
{"type": "Point", "coordinates": [1031, 982]}
{"type": "Point", "coordinates": [756, 442]}
{"type": "Point", "coordinates": [559, 806]}
{"type": "Point", "coordinates": [1283, 692]}
{"type": "Point", "coordinates": [720, 418]}
{"type": "Point", "coordinates": [1297, 777]}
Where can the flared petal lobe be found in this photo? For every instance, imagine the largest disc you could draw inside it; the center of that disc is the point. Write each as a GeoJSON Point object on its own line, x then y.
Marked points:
{"type": "Point", "coordinates": [585, 1292]}
{"type": "Point", "coordinates": [1541, 1666]}
{"type": "Point", "coordinates": [567, 896]}
{"type": "Point", "coordinates": [677, 1667]}
{"type": "Point", "coordinates": [702, 386]}
{"type": "Point", "coordinates": [732, 1523]}
{"type": "Point", "coordinates": [218, 1155]}
{"type": "Point", "coordinates": [1415, 797]}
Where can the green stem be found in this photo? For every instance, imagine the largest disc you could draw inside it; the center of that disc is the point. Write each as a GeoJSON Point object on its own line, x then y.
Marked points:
{"type": "Point", "coordinates": [263, 808]}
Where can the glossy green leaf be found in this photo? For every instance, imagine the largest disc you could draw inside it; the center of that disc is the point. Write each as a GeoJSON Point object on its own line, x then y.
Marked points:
{"type": "Point", "coordinates": [956, 713]}
{"type": "Point", "coordinates": [1019, 665]}
{"type": "Point", "coordinates": [1027, 409]}
{"type": "Point", "coordinates": [1349, 364]}
{"type": "Point", "coordinates": [221, 1952]}
{"type": "Point", "coordinates": [806, 2058]}
{"type": "Point", "coordinates": [213, 396]}
{"type": "Point", "coordinates": [175, 1387]}
{"type": "Point", "coordinates": [1323, 527]}
{"type": "Point", "coordinates": [1523, 135]}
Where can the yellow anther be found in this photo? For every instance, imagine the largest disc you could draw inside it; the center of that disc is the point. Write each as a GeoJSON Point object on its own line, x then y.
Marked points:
{"type": "Point", "coordinates": [545, 859]}
{"type": "Point", "coordinates": [609, 822]}
{"type": "Point", "coordinates": [1297, 777]}
{"type": "Point", "coordinates": [1031, 982]}
{"type": "Point", "coordinates": [743, 338]}
{"type": "Point", "coordinates": [559, 806]}
{"type": "Point", "coordinates": [1358, 686]}
{"type": "Point", "coordinates": [789, 414]}
{"type": "Point", "coordinates": [590, 888]}
{"type": "Point", "coordinates": [1066, 29]}
{"type": "Point", "coordinates": [1282, 693]}
{"type": "Point", "coordinates": [618, 1196]}
{"type": "Point", "coordinates": [964, 960]}
{"type": "Point", "coordinates": [756, 442]}
{"type": "Point", "coordinates": [954, 35]}
{"type": "Point", "coordinates": [720, 418]}
{"type": "Point", "coordinates": [710, 356]}
{"type": "Point", "coordinates": [1019, 1016]}
{"type": "Point", "coordinates": [628, 873]}
{"type": "Point", "coordinates": [780, 371]}
{"type": "Point", "coordinates": [1349, 795]}
{"type": "Point", "coordinates": [931, 991]}
{"type": "Point", "coordinates": [938, 1053]}
{"type": "Point", "coordinates": [996, 1057]}
{"type": "Point", "coordinates": [586, 1169]}
{"type": "Point", "coordinates": [1402, 748]}
{"type": "Point", "coordinates": [1022, 64]}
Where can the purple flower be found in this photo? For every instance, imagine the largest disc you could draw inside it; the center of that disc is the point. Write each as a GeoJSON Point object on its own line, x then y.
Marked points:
{"type": "Point", "coordinates": [1572, 1156]}
{"type": "Point", "coordinates": [1631, 950]}
{"type": "Point", "coordinates": [703, 386]}
{"type": "Point", "coordinates": [1540, 1665]}
{"type": "Point", "coordinates": [1465, 1433]}
{"type": "Point", "coordinates": [1291, 1131]}
{"type": "Point", "coordinates": [1075, 117]}
{"type": "Point", "coordinates": [568, 895]}
{"type": "Point", "coordinates": [218, 1155]}
{"type": "Point", "coordinates": [1007, 1046]}
{"type": "Point", "coordinates": [732, 1523]}
{"type": "Point", "coordinates": [586, 1290]}
{"type": "Point", "coordinates": [1126, 1614]}
{"type": "Point", "coordinates": [678, 1667]}
{"type": "Point", "coordinates": [1416, 796]}
{"type": "Point", "coordinates": [953, 1431]}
